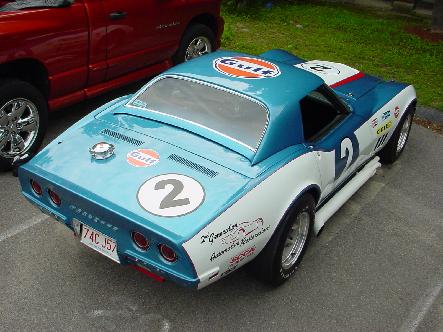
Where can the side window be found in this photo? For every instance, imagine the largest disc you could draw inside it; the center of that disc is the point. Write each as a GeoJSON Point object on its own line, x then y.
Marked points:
{"type": "Point", "coordinates": [320, 111]}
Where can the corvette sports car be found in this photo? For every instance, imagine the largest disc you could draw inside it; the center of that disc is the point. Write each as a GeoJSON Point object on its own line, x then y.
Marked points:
{"type": "Point", "coordinates": [225, 160]}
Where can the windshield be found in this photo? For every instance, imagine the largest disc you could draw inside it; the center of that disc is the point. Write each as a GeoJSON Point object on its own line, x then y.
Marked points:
{"type": "Point", "coordinates": [231, 115]}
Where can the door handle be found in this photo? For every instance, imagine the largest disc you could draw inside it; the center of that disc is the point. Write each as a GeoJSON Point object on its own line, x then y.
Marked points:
{"type": "Point", "coordinates": [117, 15]}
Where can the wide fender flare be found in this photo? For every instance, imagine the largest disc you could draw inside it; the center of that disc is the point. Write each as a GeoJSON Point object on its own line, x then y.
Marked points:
{"type": "Point", "coordinates": [238, 234]}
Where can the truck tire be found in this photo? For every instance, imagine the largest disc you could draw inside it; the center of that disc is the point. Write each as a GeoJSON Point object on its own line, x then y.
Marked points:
{"type": "Point", "coordinates": [396, 144]}
{"type": "Point", "coordinates": [280, 258]}
{"type": "Point", "coordinates": [23, 120]}
{"type": "Point", "coordinates": [197, 40]}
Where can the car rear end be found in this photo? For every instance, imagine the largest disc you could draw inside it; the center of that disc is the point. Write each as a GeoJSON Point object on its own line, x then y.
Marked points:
{"type": "Point", "coordinates": [104, 227]}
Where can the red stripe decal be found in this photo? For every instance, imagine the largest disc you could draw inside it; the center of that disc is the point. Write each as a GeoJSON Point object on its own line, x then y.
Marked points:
{"type": "Point", "coordinates": [148, 273]}
{"type": "Point", "coordinates": [349, 79]}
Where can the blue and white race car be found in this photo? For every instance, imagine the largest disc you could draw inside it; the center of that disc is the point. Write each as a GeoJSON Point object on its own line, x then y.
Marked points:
{"type": "Point", "coordinates": [221, 161]}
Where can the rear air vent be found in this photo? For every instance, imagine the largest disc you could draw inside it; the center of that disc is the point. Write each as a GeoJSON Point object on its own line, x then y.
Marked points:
{"type": "Point", "coordinates": [195, 166]}
{"type": "Point", "coordinates": [121, 137]}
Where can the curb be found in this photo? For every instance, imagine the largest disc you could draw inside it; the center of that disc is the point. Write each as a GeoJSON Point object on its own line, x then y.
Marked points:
{"type": "Point", "coordinates": [430, 114]}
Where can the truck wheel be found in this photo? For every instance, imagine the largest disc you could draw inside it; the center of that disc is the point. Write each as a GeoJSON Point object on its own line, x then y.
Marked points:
{"type": "Point", "coordinates": [281, 256]}
{"type": "Point", "coordinates": [197, 40]}
{"type": "Point", "coordinates": [23, 120]}
{"type": "Point", "coordinates": [396, 144]}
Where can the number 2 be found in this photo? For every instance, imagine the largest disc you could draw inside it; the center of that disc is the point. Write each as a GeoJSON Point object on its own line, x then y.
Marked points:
{"type": "Point", "coordinates": [346, 155]}
{"type": "Point", "coordinates": [169, 200]}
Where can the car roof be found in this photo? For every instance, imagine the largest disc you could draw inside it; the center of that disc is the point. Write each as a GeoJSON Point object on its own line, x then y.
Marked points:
{"type": "Point", "coordinates": [279, 87]}
{"type": "Point", "coordinates": [273, 92]}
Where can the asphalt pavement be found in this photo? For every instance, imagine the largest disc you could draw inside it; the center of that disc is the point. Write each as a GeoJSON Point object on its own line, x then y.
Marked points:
{"type": "Point", "coordinates": [377, 266]}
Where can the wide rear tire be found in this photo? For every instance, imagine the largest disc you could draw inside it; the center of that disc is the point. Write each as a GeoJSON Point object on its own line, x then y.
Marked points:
{"type": "Point", "coordinates": [281, 257]}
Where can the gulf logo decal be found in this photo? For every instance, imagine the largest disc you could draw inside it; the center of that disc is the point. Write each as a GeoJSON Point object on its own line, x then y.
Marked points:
{"type": "Point", "coordinates": [245, 67]}
{"type": "Point", "coordinates": [142, 158]}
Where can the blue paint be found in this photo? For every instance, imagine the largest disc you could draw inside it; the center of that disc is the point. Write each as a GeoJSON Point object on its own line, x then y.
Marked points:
{"type": "Point", "coordinates": [103, 194]}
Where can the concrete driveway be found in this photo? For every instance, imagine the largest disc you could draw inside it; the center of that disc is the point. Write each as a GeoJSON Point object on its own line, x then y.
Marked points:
{"type": "Point", "coordinates": [377, 266]}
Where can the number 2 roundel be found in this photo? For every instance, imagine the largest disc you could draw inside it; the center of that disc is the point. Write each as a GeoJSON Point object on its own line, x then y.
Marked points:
{"type": "Point", "coordinates": [171, 195]}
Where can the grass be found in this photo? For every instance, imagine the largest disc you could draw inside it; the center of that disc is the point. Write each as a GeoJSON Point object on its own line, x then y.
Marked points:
{"type": "Point", "coordinates": [373, 42]}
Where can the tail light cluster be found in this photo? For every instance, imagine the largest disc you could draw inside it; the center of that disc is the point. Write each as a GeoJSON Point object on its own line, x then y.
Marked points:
{"type": "Point", "coordinates": [167, 253]}
{"type": "Point", "coordinates": [37, 189]}
{"type": "Point", "coordinates": [142, 242]}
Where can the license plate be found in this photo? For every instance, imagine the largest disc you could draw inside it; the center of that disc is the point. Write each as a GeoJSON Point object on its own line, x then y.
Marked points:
{"type": "Point", "coordinates": [99, 242]}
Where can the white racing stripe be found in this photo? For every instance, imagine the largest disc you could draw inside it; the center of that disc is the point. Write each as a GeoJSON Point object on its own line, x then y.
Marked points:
{"type": "Point", "coordinates": [22, 227]}
{"type": "Point", "coordinates": [422, 307]}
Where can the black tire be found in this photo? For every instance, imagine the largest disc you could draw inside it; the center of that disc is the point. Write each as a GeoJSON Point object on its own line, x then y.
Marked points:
{"type": "Point", "coordinates": [392, 150]}
{"type": "Point", "coordinates": [268, 266]}
{"type": "Point", "coordinates": [35, 113]}
{"type": "Point", "coordinates": [192, 33]}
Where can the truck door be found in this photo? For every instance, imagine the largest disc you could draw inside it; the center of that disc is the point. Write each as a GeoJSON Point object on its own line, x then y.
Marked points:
{"type": "Point", "coordinates": [136, 33]}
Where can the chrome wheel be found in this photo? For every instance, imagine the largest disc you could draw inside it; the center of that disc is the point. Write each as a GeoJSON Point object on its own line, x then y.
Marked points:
{"type": "Point", "coordinates": [404, 132]}
{"type": "Point", "coordinates": [295, 241]}
{"type": "Point", "coordinates": [19, 123]}
{"type": "Point", "coordinates": [198, 47]}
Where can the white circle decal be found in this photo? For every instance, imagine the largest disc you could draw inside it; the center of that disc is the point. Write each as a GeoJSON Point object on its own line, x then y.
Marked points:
{"type": "Point", "coordinates": [320, 68]}
{"type": "Point", "coordinates": [170, 195]}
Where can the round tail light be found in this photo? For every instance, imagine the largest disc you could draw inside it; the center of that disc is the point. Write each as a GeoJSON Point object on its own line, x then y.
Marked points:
{"type": "Point", "coordinates": [36, 188]}
{"type": "Point", "coordinates": [54, 197]}
{"type": "Point", "coordinates": [167, 253]}
{"type": "Point", "coordinates": [140, 240]}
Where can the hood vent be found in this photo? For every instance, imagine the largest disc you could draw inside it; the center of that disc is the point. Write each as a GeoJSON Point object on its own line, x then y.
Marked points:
{"type": "Point", "coordinates": [121, 137]}
{"type": "Point", "coordinates": [194, 166]}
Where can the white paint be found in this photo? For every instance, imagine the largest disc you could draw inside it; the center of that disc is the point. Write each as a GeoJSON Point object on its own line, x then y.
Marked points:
{"type": "Point", "coordinates": [421, 308]}
{"type": "Point", "coordinates": [330, 72]}
{"type": "Point", "coordinates": [171, 195]}
{"type": "Point", "coordinates": [23, 227]}
{"type": "Point", "coordinates": [342, 196]}
{"type": "Point", "coordinates": [269, 200]}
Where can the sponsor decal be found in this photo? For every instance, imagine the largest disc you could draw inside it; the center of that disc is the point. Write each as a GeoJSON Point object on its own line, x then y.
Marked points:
{"type": "Point", "coordinates": [246, 67]}
{"type": "Point", "coordinates": [239, 243]}
{"type": "Point", "coordinates": [384, 127]}
{"type": "Point", "coordinates": [211, 237]}
{"type": "Point", "coordinates": [385, 115]}
{"type": "Point", "coordinates": [396, 111]}
{"type": "Point", "coordinates": [241, 256]}
{"type": "Point", "coordinates": [374, 122]}
{"type": "Point", "coordinates": [143, 158]}
{"type": "Point", "coordinates": [170, 195]}
{"type": "Point", "coordinates": [235, 260]}
{"type": "Point", "coordinates": [232, 233]}
{"type": "Point", "coordinates": [243, 230]}
{"type": "Point", "coordinates": [87, 215]}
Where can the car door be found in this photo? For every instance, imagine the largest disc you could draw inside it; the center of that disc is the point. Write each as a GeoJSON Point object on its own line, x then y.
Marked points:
{"type": "Point", "coordinates": [136, 33]}
{"type": "Point", "coordinates": [337, 134]}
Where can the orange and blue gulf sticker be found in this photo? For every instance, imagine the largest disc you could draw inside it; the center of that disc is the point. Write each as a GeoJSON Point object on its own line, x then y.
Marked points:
{"type": "Point", "coordinates": [142, 158]}
{"type": "Point", "coordinates": [246, 67]}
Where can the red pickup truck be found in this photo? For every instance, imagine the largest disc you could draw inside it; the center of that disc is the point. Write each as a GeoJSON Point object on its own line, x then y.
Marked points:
{"type": "Point", "coordinates": [55, 53]}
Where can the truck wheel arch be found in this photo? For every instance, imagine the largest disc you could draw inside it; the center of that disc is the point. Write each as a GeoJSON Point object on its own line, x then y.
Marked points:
{"type": "Point", "coordinates": [206, 19]}
{"type": "Point", "coordinates": [29, 70]}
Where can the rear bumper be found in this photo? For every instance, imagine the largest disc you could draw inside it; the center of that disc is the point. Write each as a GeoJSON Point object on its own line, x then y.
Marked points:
{"type": "Point", "coordinates": [116, 227]}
